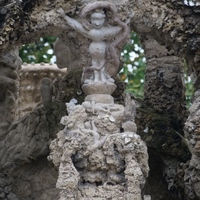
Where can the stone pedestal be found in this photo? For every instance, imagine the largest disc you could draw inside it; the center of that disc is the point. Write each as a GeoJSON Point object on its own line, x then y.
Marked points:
{"type": "Point", "coordinates": [94, 159]}
{"type": "Point", "coordinates": [99, 92]}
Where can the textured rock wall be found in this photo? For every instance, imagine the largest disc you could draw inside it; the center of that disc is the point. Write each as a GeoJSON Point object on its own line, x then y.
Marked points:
{"type": "Point", "coordinates": [164, 90]}
{"type": "Point", "coordinates": [24, 143]}
{"type": "Point", "coordinates": [192, 132]}
{"type": "Point", "coordinates": [161, 119]}
{"type": "Point", "coordinates": [10, 63]}
{"type": "Point", "coordinates": [24, 148]}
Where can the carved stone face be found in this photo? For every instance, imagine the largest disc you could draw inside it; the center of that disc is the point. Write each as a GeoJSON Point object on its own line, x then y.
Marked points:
{"type": "Point", "coordinates": [97, 21]}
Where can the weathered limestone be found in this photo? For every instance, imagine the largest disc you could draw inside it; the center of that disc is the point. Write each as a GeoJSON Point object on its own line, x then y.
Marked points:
{"type": "Point", "coordinates": [10, 62]}
{"type": "Point", "coordinates": [161, 119]}
{"type": "Point", "coordinates": [37, 128]}
{"type": "Point", "coordinates": [192, 132]}
{"type": "Point", "coordinates": [24, 143]}
{"type": "Point", "coordinates": [164, 77]}
{"type": "Point", "coordinates": [94, 158]}
{"type": "Point", "coordinates": [164, 106]}
{"type": "Point", "coordinates": [23, 150]}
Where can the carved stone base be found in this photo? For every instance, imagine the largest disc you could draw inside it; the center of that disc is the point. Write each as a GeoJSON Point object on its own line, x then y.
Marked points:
{"type": "Point", "coordinates": [99, 92]}
{"type": "Point", "coordinates": [99, 88]}
{"type": "Point", "coordinates": [100, 98]}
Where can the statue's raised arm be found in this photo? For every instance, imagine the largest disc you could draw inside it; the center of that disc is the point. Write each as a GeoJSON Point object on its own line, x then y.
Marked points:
{"type": "Point", "coordinates": [73, 23]}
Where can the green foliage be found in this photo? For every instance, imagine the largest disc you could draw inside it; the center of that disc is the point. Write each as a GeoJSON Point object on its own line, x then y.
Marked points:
{"type": "Point", "coordinates": [189, 90]}
{"type": "Point", "coordinates": [134, 66]}
{"type": "Point", "coordinates": [40, 51]}
{"type": "Point", "coordinates": [188, 85]}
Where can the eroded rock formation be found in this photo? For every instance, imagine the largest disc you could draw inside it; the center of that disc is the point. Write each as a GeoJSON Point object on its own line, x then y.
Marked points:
{"type": "Point", "coordinates": [192, 134]}
{"type": "Point", "coordinates": [94, 158]}
{"type": "Point", "coordinates": [24, 148]}
{"type": "Point", "coordinates": [10, 62]}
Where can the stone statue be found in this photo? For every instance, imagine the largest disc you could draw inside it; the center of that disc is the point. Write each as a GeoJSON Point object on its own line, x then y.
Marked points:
{"type": "Point", "coordinates": [101, 32]}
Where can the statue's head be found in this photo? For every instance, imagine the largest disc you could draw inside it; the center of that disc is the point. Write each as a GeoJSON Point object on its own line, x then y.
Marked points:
{"type": "Point", "coordinates": [97, 15]}
{"type": "Point", "coordinates": [98, 18]}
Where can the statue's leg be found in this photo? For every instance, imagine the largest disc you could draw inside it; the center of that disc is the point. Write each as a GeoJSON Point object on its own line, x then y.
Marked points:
{"type": "Point", "coordinates": [98, 69]}
{"type": "Point", "coordinates": [96, 76]}
{"type": "Point", "coordinates": [101, 71]}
